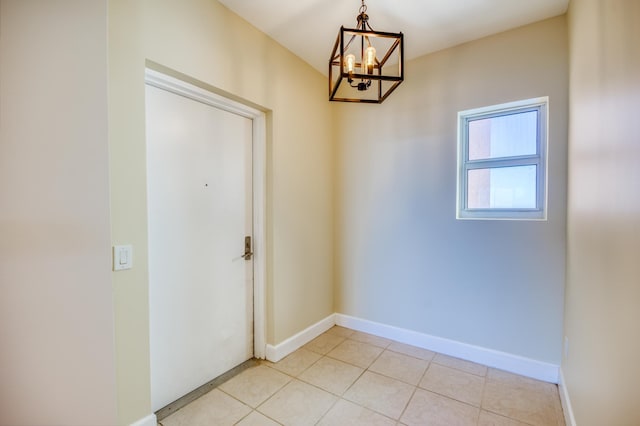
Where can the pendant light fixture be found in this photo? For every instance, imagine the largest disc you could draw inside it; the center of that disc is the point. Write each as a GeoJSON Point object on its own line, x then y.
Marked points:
{"type": "Point", "coordinates": [365, 65]}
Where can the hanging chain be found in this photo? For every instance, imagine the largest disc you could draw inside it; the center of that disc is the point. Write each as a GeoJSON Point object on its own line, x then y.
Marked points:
{"type": "Point", "coordinates": [363, 18]}
{"type": "Point", "coordinates": [363, 8]}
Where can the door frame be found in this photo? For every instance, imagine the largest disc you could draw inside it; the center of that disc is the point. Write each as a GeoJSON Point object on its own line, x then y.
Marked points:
{"type": "Point", "coordinates": [196, 91]}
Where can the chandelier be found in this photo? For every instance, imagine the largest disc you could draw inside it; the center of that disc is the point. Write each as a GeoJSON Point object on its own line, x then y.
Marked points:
{"type": "Point", "coordinates": [365, 65]}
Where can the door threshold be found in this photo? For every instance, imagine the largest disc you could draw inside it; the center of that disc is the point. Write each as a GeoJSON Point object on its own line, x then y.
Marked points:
{"type": "Point", "coordinates": [166, 411]}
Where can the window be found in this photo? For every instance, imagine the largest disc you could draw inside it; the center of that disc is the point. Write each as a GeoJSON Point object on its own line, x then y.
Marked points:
{"type": "Point", "coordinates": [502, 165]}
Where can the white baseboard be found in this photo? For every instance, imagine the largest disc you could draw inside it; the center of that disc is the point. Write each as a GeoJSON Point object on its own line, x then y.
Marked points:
{"type": "Point", "coordinates": [281, 350]}
{"type": "Point", "coordinates": [489, 357]}
{"type": "Point", "coordinates": [504, 361]}
{"type": "Point", "coordinates": [150, 420]}
{"type": "Point", "coordinates": [569, 419]}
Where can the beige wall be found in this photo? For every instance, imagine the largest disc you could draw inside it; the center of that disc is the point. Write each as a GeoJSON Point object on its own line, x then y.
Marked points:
{"type": "Point", "coordinates": [603, 285]}
{"type": "Point", "coordinates": [204, 40]}
{"type": "Point", "coordinates": [57, 358]}
{"type": "Point", "coordinates": [404, 259]}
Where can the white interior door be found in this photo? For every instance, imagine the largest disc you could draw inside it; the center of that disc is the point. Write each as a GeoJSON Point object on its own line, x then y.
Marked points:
{"type": "Point", "coordinates": [199, 213]}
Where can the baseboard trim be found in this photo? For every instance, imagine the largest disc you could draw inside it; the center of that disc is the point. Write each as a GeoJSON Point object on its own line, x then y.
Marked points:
{"type": "Point", "coordinates": [281, 350]}
{"type": "Point", "coordinates": [569, 419]}
{"type": "Point", "coordinates": [504, 361]}
{"type": "Point", "coordinates": [150, 420]}
{"type": "Point", "coordinates": [492, 358]}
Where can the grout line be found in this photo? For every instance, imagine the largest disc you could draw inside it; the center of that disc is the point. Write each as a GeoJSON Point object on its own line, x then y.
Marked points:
{"type": "Point", "coordinates": [328, 409]}
{"type": "Point", "coordinates": [415, 389]}
{"type": "Point", "coordinates": [354, 382]}
{"type": "Point", "coordinates": [248, 414]}
{"type": "Point", "coordinates": [484, 388]}
{"type": "Point", "coordinates": [263, 414]}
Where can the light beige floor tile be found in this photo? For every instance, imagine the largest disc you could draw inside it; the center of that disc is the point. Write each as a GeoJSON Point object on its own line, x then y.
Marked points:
{"type": "Point", "coordinates": [521, 398]}
{"type": "Point", "coordinates": [460, 364]}
{"type": "Point", "coordinates": [297, 362]}
{"type": "Point", "coordinates": [456, 384]}
{"type": "Point", "coordinates": [331, 375]}
{"type": "Point", "coordinates": [517, 380]}
{"type": "Point", "coordinates": [213, 408]}
{"type": "Point", "coordinates": [379, 393]}
{"type": "Point", "coordinates": [348, 413]}
{"type": "Point", "coordinates": [370, 339]}
{"type": "Point", "coordinates": [450, 391]}
{"type": "Point", "coordinates": [400, 366]}
{"type": "Point", "coordinates": [340, 331]}
{"type": "Point", "coordinates": [491, 419]}
{"type": "Point", "coordinates": [298, 404]}
{"type": "Point", "coordinates": [254, 385]}
{"type": "Point", "coordinates": [411, 351]}
{"type": "Point", "coordinates": [429, 409]}
{"type": "Point", "coordinates": [257, 419]}
{"type": "Point", "coordinates": [356, 353]}
{"type": "Point", "coordinates": [324, 343]}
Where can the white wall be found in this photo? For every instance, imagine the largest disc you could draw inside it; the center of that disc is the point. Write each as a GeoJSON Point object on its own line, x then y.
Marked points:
{"type": "Point", "coordinates": [205, 41]}
{"type": "Point", "coordinates": [56, 305]}
{"type": "Point", "coordinates": [603, 286]}
{"type": "Point", "coordinates": [404, 260]}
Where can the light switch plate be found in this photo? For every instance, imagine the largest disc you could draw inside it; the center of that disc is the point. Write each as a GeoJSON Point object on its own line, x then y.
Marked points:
{"type": "Point", "coordinates": [122, 257]}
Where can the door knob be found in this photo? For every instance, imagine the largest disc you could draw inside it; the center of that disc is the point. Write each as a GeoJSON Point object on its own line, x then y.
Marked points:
{"type": "Point", "coordinates": [247, 249]}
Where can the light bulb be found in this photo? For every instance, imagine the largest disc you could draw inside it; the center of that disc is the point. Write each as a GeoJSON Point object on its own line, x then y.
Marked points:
{"type": "Point", "coordinates": [370, 59]}
{"type": "Point", "coordinates": [350, 63]}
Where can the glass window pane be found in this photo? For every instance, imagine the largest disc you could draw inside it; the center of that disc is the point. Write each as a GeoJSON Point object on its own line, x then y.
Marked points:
{"type": "Point", "coordinates": [504, 136]}
{"type": "Point", "coordinates": [502, 188]}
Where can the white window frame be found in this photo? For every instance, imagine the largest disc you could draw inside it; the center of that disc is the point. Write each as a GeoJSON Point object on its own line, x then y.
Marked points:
{"type": "Point", "coordinates": [539, 159]}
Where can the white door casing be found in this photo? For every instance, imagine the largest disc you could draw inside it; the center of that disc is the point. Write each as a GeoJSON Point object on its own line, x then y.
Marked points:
{"type": "Point", "coordinates": [204, 298]}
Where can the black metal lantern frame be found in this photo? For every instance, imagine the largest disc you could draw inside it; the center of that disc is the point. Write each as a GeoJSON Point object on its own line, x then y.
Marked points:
{"type": "Point", "coordinates": [357, 71]}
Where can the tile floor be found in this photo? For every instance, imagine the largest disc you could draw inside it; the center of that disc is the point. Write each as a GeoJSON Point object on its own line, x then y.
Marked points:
{"type": "Point", "coordinates": [346, 377]}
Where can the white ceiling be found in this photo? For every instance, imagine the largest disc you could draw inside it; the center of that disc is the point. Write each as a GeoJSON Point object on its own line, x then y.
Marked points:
{"type": "Point", "coordinates": [309, 28]}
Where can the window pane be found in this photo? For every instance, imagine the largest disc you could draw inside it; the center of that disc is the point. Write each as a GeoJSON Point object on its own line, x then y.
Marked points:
{"type": "Point", "coordinates": [502, 188]}
{"type": "Point", "coordinates": [503, 136]}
